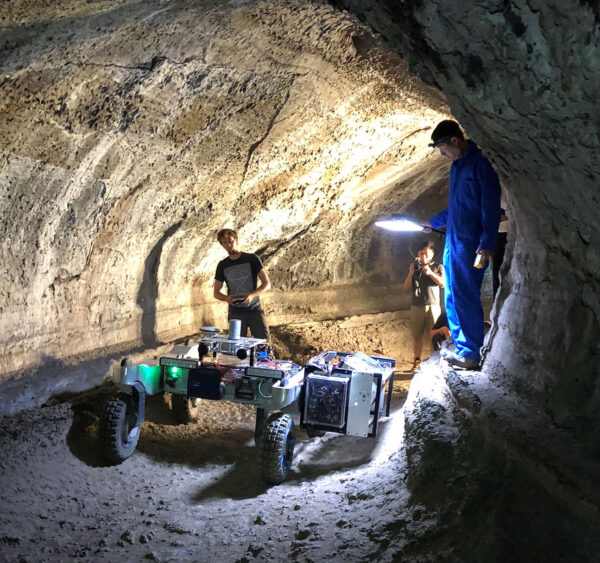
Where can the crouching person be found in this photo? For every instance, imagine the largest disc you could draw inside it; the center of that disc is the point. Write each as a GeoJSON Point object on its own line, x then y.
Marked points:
{"type": "Point", "coordinates": [439, 332]}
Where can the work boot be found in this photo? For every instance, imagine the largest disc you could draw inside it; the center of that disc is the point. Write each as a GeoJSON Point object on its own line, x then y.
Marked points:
{"type": "Point", "coordinates": [416, 364]}
{"type": "Point", "coordinates": [462, 362]}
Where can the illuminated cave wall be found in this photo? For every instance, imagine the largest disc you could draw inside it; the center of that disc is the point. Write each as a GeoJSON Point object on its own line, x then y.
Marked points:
{"type": "Point", "coordinates": [132, 131]}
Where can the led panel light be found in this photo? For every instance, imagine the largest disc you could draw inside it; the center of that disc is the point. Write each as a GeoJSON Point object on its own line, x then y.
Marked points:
{"type": "Point", "coordinates": [401, 224]}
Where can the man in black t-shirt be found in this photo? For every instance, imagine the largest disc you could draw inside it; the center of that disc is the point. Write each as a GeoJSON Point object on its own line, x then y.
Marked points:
{"type": "Point", "coordinates": [424, 279]}
{"type": "Point", "coordinates": [242, 271]}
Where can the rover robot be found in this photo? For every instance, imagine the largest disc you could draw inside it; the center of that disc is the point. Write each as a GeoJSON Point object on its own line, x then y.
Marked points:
{"type": "Point", "coordinates": [335, 392]}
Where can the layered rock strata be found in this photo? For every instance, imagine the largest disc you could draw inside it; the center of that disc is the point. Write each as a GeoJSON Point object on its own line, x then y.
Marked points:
{"type": "Point", "coordinates": [132, 131]}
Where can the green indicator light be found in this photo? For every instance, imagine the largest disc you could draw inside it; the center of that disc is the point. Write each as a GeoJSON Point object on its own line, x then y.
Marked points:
{"type": "Point", "coordinates": [150, 377]}
{"type": "Point", "coordinates": [174, 370]}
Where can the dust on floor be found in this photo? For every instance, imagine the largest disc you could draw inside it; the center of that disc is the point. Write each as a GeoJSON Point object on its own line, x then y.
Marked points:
{"type": "Point", "coordinates": [194, 492]}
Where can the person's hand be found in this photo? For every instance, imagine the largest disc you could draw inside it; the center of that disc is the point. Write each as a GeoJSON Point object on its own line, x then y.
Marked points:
{"type": "Point", "coordinates": [446, 332]}
{"type": "Point", "coordinates": [487, 253]}
{"type": "Point", "coordinates": [229, 299]}
{"type": "Point", "coordinates": [427, 269]}
{"type": "Point", "coordinates": [411, 268]}
{"type": "Point", "coordinates": [244, 299]}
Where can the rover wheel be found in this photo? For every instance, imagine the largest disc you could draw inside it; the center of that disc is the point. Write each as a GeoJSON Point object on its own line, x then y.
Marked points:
{"type": "Point", "coordinates": [185, 409]}
{"type": "Point", "coordinates": [120, 434]}
{"type": "Point", "coordinates": [277, 448]}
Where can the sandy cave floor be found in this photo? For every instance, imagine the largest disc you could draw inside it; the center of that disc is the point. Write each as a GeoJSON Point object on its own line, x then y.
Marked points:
{"type": "Point", "coordinates": [193, 492]}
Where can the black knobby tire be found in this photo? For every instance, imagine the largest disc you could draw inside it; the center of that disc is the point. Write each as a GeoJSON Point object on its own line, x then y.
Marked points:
{"type": "Point", "coordinates": [120, 434]}
{"type": "Point", "coordinates": [185, 409]}
{"type": "Point", "coordinates": [277, 448]}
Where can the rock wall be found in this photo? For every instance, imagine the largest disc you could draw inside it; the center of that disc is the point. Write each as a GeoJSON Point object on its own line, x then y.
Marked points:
{"type": "Point", "coordinates": [500, 481]}
{"type": "Point", "coordinates": [522, 78]}
{"type": "Point", "coordinates": [130, 132]}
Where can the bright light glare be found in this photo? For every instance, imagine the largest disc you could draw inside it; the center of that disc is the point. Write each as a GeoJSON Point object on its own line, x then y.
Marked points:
{"type": "Point", "coordinates": [399, 225]}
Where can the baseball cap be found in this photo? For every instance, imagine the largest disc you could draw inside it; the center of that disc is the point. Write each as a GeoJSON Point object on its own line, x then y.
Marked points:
{"type": "Point", "coordinates": [444, 131]}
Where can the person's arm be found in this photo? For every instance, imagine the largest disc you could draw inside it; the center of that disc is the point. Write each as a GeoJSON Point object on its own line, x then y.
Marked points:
{"type": "Point", "coordinates": [409, 276]}
{"type": "Point", "coordinates": [490, 207]}
{"type": "Point", "coordinates": [262, 287]}
{"type": "Point", "coordinates": [436, 277]}
{"type": "Point", "coordinates": [438, 221]}
{"type": "Point", "coordinates": [218, 294]}
{"type": "Point", "coordinates": [442, 330]}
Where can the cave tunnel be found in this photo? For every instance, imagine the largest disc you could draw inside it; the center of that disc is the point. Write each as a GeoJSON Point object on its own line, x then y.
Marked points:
{"type": "Point", "coordinates": [132, 132]}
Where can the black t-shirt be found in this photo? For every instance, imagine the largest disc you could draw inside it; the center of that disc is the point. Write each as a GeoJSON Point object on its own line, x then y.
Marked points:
{"type": "Point", "coordinates": [240, 276]}
{"type": "Point", "coordinates": [421, 295]}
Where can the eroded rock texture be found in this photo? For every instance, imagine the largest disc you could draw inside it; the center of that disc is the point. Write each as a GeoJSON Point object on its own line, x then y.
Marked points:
{"type": "Point", "coordinates": [503, 483]}
{"type": "Point", "coordinates": [522, 78]}
{"type": "Point", "coordinates": [132, 131]}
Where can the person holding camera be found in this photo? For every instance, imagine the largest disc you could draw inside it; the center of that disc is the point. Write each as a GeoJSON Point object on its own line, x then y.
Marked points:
{"type": "Point", "coordinates": [242, 272]}
{"type": "Point", "coordinates": [424, 279]}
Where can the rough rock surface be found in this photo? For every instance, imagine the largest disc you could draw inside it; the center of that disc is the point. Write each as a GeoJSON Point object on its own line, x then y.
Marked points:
{"type": "Point", "coordinates": [503, 482]}
{"type": "Point", "coordinates": [131, 132]}
{"type": "Point", "coordinates": [522, 78]}
{"type": "Point", "coordinates": [438, 484]}
{"type": "Point", "coordinates": [194, 492]}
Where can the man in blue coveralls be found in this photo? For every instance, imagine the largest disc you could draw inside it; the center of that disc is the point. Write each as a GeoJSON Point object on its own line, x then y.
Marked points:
{"type": "Point", "coordinates": [471, 222]}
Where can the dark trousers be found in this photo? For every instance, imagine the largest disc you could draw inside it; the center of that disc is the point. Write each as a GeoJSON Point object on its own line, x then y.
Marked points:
{"type": "Point", "coordinates": [497, 262]}
{"type": "Point", "coordinates": [253, 319]}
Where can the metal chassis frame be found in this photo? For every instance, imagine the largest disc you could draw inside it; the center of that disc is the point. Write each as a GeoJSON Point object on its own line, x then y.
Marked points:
{"type": "Point", "coordinates": [374, 423]}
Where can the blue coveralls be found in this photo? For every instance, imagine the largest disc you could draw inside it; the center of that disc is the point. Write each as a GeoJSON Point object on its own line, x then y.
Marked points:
{"type": "Point", "coordinates": [471, 222]}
